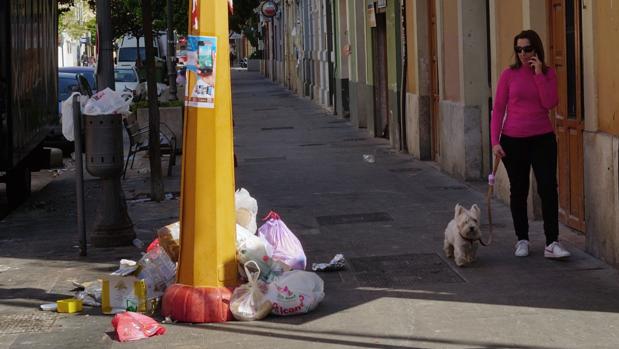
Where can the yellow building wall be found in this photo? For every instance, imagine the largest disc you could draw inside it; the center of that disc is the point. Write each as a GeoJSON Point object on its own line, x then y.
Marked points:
{"type": "Point", "coordinates": [411, 48]}
{"type": "Point", "coordinates": [451, 51]}
{"type": "Point", "coordinates": [607, 62]}
{"type": "Point", "coordinates": [508, 24]}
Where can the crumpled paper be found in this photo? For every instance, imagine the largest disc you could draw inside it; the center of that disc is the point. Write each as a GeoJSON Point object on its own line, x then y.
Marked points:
{"type": "Point", "coordinates": [337, 263]}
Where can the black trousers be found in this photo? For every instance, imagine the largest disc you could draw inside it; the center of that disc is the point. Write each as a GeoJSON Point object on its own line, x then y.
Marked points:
{"type": "Point", "coordinates": [539, 152]}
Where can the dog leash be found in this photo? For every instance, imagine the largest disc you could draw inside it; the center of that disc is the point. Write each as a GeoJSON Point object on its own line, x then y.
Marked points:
{"type": "Point", "coordinates": [491, 177]}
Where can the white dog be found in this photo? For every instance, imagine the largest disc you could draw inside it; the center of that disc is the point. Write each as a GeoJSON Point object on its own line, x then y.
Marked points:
{"type": "Point", "coordinates": [462, 235]}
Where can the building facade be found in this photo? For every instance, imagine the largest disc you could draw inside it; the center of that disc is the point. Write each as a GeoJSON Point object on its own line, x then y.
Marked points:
{"type": "Point", "coordinates": [423, 73]}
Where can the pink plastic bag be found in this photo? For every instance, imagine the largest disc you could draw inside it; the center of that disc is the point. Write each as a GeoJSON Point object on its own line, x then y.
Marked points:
{"type": "Point", "coordinates": [132, 326]}
{"type": "Point", "coordinates": [286, 246]}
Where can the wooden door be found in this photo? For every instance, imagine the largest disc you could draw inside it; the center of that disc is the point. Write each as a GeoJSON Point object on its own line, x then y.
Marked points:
{"type": "Point", "coordinates": [381, 107]}
{"type": "Point", "coordinates": [565, 57]}
{"type": "Point", "coordinates": [434, 82]}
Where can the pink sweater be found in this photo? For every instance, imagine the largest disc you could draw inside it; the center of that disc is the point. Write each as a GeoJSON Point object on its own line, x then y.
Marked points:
{"type": "Point", "coordinates": [527, 97]}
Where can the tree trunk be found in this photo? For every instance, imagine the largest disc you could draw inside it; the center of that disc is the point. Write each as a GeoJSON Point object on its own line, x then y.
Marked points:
{"type": "Point", "coordinates": [171, 55]}
{"type": "Point", "coordinates": [138, 60]}
{"type": "Point", "coordinates": [154, 152]}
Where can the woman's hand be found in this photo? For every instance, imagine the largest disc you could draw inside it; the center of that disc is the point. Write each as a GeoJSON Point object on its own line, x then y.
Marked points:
{"type": "Point", "coordinates": [498, 151]}
{"type": "Point", "coordinates": [536, 64]}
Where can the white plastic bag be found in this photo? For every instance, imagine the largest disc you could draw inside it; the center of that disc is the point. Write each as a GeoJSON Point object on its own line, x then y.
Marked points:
{"type": "Point", "coordinates": [246, 210]}
{"type": "Point", "coordinates": [107, 102]}
{"type": "Point", "coordinates": [249, 302]}
{"type": "Point", "coordinates": [295, 292]}
{"type": "Point", "coordinates": [66, 119]}
{"type": "Point", "coordinates": [250, 247]}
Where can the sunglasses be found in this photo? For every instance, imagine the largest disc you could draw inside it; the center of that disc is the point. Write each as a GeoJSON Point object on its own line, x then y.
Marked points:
{"type": "Point", "coordinates": [526, 49]}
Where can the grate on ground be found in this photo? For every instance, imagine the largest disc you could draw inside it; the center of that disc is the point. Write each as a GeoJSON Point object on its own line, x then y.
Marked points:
{"type": "Point", "coordinates": [354, 218]}
{"type": "Point", "coordinates": [405, 170]}
{"type": "Point", "coordinates": [403, 271]}
{"type": "Point", "coordinates": [265, 109]}
{"type": "Point", "coordinates": [311, 144]}
{"type": "Point", "coordinates": [447, 187]}
{"type": "Point", "coordinates": [265, 159]}
{"type": "Point", "coordinates": [277, 128]}
{"type": "Point", "coordinates": [353, 139]}
{"type": "Point", "coordinates": [26, 323]}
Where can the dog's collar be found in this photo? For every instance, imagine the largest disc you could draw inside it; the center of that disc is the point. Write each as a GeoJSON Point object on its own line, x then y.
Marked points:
{"type": "Point", "coordinates": [469, 240]}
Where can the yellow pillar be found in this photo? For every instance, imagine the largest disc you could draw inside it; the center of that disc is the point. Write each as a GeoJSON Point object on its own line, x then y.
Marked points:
{"type": "Point", "coordinates": [207, 266]}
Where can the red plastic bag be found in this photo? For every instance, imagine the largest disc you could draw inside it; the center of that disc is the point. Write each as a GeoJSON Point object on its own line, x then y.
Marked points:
{"type": "Point", "coordinates": [132, 326]}
{"type": "Point", "coordinates": [153, 245]}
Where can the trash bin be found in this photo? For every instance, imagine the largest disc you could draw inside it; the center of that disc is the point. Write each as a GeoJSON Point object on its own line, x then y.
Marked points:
{"type": "Point", "coordinates": [104, 145]}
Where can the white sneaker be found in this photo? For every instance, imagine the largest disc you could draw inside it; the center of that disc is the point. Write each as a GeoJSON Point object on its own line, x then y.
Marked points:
{"type": "Point", "coordinates": [522, 248]}
{"type": "Point", "coordinates": [556, 251]}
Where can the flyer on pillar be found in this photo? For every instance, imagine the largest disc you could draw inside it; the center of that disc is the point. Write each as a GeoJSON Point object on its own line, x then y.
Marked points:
{"type": "Point", "coordinates": [201, 60]}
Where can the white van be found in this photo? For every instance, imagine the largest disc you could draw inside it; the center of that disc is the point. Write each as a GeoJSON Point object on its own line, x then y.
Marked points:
{"type": "Point", "coordinates": [128, 54]}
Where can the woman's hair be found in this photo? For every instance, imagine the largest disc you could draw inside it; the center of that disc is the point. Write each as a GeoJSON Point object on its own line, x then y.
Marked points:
{"type": "Point", "coordinates": [537, 45]}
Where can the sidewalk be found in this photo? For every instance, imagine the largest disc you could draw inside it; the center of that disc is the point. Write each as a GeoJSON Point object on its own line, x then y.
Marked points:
{"type": "Point", "coordinates": [386, 217]}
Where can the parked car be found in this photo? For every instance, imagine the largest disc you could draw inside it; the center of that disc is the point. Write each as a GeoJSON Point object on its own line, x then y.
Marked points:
{"type": "Point", "coordinates": [126, 79]}
{"type": "Point", "coordinates": [88, 72]}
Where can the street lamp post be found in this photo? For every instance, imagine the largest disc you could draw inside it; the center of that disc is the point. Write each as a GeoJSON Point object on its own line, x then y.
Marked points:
{"type": "Point", "coordinates": [207, 265]}
{"type": "Point", "coordinates": [112, 226]}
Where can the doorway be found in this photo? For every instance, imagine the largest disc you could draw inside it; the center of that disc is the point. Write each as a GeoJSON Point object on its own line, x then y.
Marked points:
{"type": "Point", "coordinates": [565, 56]}
{"type": "Point", "coordinates": [434, 82]}
{"type": "Point", "coordinates": [381, 108]}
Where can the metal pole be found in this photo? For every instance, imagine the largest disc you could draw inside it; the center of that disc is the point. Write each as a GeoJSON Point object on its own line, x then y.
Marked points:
{"type": "Point", "coordinates": [171, 54]}
{"type": "Point", "coordinates": [79, 173]}
{"type": "Point", "coordinates": [105, 62]}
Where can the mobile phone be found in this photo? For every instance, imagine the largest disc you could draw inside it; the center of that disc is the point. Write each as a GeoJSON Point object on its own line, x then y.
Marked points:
{"type": "Point", "coordinates": [531, 61]}
{"type": "Point", "coordinates": [205, 57]}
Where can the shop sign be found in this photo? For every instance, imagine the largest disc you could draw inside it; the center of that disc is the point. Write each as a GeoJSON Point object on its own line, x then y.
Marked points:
{"type": "Point", "coordinates": [268, 9]}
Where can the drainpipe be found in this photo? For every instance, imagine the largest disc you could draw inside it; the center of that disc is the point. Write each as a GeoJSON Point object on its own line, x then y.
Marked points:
{"type": "Point", "coordinates": [403, 140]}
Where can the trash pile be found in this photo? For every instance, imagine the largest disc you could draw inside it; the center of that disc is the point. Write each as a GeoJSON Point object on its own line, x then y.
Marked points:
{"type": "Point", "coordinates": [271, 263]}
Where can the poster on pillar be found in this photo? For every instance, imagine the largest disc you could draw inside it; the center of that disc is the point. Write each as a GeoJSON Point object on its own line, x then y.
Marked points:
{"type": "Point", "coordinates": [201, 60]}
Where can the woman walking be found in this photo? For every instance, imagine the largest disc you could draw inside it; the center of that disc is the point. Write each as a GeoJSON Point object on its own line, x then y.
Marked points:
{"type": "Point", "coordinates": [523, 137]}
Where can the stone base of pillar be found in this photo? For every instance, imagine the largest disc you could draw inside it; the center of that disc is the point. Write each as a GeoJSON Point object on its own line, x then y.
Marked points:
{"type": "Point", "coordinates": [186, 303]}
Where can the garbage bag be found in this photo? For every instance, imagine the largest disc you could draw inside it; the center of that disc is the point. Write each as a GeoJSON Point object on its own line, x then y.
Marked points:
{"type": "Point", "coordinates": [250, 247]}
{"type": "Point", "coordinates": [107, 102]}
{"type": "Point", "coordinates": [286, 246]}
{"type": "Point", "coordinates": [132, 326]}
{"type": "Point", "coordinates": [249, 302]}
{"type": "Point", "coordinates": [295, 292]}
{"type": "Point", "coordinates": [246, 210]}
{"type": "Point", "coordinates": [169, 240]}
{"type": "Point", "coordinates": [66, 109]}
